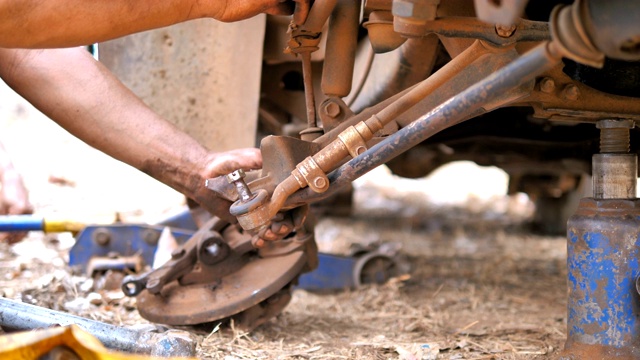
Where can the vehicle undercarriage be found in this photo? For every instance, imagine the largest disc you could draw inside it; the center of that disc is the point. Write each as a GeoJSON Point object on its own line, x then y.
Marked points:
{"type": "Point", "coordinates": [535, 88]}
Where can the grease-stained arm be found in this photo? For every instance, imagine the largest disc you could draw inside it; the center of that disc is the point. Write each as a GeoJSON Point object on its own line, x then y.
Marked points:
{"type": "Point", "coordinates": [82, 96]}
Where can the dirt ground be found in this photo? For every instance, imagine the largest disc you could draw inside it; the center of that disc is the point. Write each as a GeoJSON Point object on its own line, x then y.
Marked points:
{"type": "Point", "coordinates": [480, 286]}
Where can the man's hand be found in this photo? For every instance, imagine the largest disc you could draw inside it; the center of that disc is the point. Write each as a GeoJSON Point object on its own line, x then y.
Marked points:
{"type": "Point", "coordinates": [234, 10]}
{"type": "Point", "coordinates": [220, 164]}
{"type": "Point", "coordinates": [223, 163]}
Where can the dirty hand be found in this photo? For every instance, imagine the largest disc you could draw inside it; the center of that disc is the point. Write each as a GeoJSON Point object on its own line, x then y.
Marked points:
{"type": "Point", "coordinates": [220, 164]}
{"type": "Point", "coordinates": [14, 200]}
{"type": "Point", "coordinates": [234, 10]}
{"type": "Point", "coordinates": [223, 163]}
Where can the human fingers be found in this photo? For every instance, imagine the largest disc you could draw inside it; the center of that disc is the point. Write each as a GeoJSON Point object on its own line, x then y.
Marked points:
{"type": "Point", "coordinates": [223, 163]}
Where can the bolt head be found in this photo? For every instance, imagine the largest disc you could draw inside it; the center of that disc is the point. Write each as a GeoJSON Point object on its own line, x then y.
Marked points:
{"type": "Point", "coordinates": [236, 176]}
{"type": "Point", "coordinates": [505, 31]}
{"type": "Point", "coordinates": [320, 182]}
{"type": "Point", "coordinates": [547, 85]}
{"type": "Point", "coordinates": [332, 109]}
{"type": "Point", "coordinates": [571, 92]}
{"type": "Point", "coordinates": [102, 236]}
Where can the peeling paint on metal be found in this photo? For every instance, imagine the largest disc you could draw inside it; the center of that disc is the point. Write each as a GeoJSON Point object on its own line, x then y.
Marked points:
{"type": "Point", "coordinates": [602, 259]}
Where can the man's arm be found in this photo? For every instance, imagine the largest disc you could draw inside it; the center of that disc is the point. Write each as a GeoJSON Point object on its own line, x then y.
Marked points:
{"type": "Point", "coordinates": [64, 23]}
{"type": "Point", "coordinates": [81, 95]}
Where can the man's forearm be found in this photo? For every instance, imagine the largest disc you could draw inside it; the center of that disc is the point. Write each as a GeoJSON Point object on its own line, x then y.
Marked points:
{"type": "Point", "coordinates": [60, 23]}
{"type": "Point", "coordinates": [76, 91]}
{"type": "Point", "coordinates": [65, 23]}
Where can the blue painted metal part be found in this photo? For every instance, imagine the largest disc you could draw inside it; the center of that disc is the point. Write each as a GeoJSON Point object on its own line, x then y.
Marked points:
{"type": "Point", "coordinates": [333, 272]}
{"type": "Point", "coordinates": [21, 223]}
{"type": "Point", "coordinates": [602, 258]}
{"type": "Point", "coordinates": [124, 240]}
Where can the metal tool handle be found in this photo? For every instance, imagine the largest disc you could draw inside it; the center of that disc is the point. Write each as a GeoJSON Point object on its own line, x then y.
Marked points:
{"type": "Point", "coordinates": [132, 285]}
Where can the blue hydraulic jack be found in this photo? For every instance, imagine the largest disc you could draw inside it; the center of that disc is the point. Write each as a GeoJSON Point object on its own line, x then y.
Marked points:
{"type": "Point", "coordinates": [603, 243]}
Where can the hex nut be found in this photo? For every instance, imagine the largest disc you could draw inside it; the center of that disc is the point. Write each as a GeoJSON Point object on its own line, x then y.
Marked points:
{"type": "Point", "coordinates": [403, 8]}
{"type": "Point", "coordinates": [416, 9]}
{"type": "Point", "coordinates": [236, 176]}
{"type": "Point", "coordinates": [332, 109]}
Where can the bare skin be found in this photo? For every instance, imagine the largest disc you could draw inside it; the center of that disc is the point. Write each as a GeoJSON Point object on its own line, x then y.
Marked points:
{"type": "Point", "coordinates": [83, 97]}
{"type": "Point", "coordinates": [65, 23]}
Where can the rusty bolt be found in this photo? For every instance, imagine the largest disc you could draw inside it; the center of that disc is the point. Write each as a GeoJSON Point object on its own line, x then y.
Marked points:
{"type": "Point", "coordinates": [505, 31]}
{"type": "Point", "coordinates": [237, 178]}
{"type": "Point", "coordinates": [320, 182]}
{"type": "Point", "coordinates": [102, 236]}
{"type": "Point", "coordinates": [332, 109]}
{"type": "Point", "coordinates": [571, 92]}
{"type": "Point", "coordinates": [547, 85]}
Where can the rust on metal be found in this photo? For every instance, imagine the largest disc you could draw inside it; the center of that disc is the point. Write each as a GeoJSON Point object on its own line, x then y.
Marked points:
{"type": "Point", "coordinates": [588, 104]}
{"type": "Point", "coordinates": [410, 16]}
{"type": "Point", "coordinates": [340, 56]}
{"type": "Point", "coordinates": [194, 304]}
{"type": "Point", "coordinates": [407, 99]}
{"type": "Point", "coordinates": [226, 276]}
{"type": "Point", "coordinates": [568, 29]}
{"type": "Point", "coordinates": [451, 112]}
{"type": "Point", "coordinates": [604, 306]}
{"type": "Point", "coordinates": [382, 36]}
{"type": "Point", "coordinates": [472, 28]}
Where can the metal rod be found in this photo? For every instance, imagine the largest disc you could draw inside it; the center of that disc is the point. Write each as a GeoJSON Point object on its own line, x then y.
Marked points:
{"type": "Point", "coordinates": [451, 112]}
{"type": "Point", "coordinates": [20, 316]}
{"type": "Point", "coordinates": [420, 91]}
{"type": "Point", "coordinates": [318, 15]}
{"type": "Point", "coordinates": [309, 96]}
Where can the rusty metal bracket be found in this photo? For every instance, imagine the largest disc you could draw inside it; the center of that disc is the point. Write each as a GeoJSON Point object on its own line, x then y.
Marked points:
{"type": "Point", "coordinates": [472, 28]}
{"type": "Point", "coordinates": [309, 173]}
{"type": "Point", "coordinates": [355, 138]}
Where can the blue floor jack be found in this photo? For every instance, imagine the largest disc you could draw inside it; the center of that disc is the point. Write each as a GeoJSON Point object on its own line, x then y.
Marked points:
{"type": "Point", "coordinates": [375, 264]}
{"type": "Point", "coordinates": [603, 243]}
